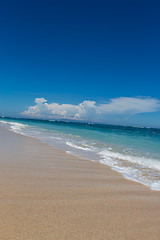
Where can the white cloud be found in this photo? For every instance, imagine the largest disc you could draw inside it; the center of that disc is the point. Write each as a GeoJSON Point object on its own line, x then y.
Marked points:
{"type": "Point", "coordinates": [91, 111]}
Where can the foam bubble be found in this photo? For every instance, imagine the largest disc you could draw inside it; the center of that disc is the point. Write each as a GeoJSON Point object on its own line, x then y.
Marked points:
{"type": "Point", "coordinates": [145, 162]}
{"type": "Point", "coordinates": [78, 147]}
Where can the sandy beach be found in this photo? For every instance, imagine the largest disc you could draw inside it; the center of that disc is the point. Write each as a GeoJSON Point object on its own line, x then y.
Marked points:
{"type": "Point", "coordinates": [50, 195]}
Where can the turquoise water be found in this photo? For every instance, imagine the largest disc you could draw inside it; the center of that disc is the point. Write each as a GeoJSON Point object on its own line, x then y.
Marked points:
{"type": "Point", "coordinates": [133, 151]}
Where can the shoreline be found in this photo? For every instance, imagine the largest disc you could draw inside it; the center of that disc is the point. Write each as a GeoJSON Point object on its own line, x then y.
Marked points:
{"type": "Point", "coordinates": [139, 169]}
{"type": "Point", "coordinates": [47, 193]}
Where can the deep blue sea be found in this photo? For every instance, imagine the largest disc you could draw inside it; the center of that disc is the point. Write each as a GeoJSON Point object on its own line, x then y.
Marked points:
{"type": "Point", "coordinates": [132, 151]}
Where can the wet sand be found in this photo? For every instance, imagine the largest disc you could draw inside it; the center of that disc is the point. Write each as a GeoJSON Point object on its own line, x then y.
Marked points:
{"type": "Point", "coordinates": [50, 195]}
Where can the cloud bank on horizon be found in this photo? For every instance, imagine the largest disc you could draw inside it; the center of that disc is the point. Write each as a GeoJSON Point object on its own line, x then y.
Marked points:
{"type": "Point", "coordinates": [119, 108]}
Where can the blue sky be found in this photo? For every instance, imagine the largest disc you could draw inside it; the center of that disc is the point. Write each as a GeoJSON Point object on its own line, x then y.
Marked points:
{"type": "Point", "coordinates": [71, 51]}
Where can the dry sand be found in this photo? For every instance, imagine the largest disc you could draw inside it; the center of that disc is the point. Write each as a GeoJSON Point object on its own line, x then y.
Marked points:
{"type": "Point", "coordinates": [47, 194]}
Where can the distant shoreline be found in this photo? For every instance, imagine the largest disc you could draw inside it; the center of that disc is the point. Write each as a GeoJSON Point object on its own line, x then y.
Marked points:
{"type": "Point", "coordinates": [78, 122]}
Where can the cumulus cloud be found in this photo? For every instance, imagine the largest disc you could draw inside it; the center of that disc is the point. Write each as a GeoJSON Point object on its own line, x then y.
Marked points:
{"type": "Point", "coordinates": [91, 111]}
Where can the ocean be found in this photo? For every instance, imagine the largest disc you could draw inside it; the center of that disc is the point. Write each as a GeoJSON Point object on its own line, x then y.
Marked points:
{"type": "Point", "coordinates": [132, 151]}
